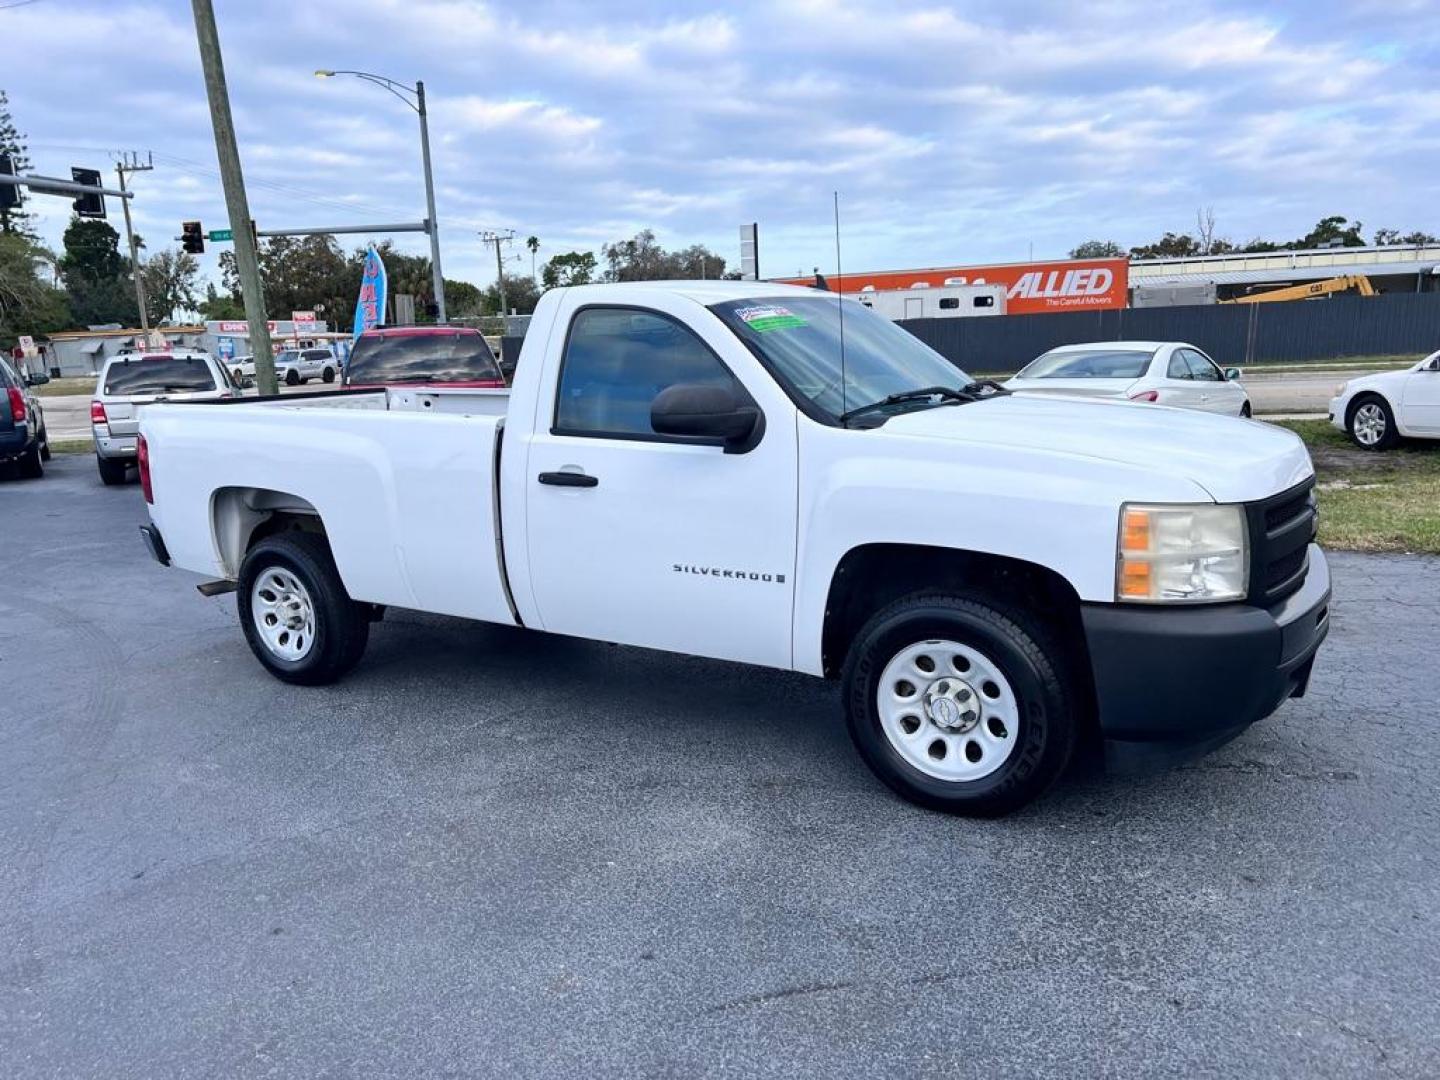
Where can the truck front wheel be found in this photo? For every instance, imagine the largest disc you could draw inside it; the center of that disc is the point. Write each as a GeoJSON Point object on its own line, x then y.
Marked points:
{"type": "Point", "coordinates": [296, 615]}
{"type": "Point", "coordinates": [959, 703]}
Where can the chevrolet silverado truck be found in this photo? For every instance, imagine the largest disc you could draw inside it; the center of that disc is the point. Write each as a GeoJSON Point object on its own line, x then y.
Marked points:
{"type": "Point", "coordinates": [776, 476]}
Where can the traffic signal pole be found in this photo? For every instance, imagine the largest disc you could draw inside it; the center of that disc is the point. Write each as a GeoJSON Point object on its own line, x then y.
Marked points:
{"type": "Point", "coordinates": [247, 263]}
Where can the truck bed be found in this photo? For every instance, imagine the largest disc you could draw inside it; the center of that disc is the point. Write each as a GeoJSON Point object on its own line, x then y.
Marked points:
{"type": "Point", "coordinates": [405, 481]}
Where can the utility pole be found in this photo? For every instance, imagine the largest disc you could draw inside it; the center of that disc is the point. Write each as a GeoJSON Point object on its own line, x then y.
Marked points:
{"type": "Point", "coordinates": [434, 229]}
{"type": "Point", "coordinates": [498, 238]}
{"type": "Point", "coordinates": [130, 163]}
{"type": "Point", "coordinates": [247, 263]}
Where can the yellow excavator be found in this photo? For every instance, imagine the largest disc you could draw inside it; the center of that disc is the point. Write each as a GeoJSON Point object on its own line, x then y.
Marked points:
{"type": "Point", "coordinates": [1359, 282]}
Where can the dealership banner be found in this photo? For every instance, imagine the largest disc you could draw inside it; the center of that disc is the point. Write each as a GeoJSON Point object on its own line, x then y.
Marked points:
{"type": "Point", "coordinates": [370, 308]}
{"type": "Point", "coordinates": [1064, 285]}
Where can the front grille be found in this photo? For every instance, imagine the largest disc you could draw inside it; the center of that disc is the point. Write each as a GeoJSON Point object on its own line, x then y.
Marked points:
{"type": "Point", "coordinates": [1281, 529]}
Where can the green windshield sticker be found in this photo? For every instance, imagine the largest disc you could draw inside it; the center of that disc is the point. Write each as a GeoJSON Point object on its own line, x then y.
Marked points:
{"type": "Point", "coordinates": [769, 317]}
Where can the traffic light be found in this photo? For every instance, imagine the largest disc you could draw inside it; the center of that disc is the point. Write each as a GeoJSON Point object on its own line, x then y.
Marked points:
{"type": "Point", "coordinates": [88, 205]}
{"type": "Point", "coordinates": [9, 193]}
{"type": "Point", "coordinates": [192, 239]}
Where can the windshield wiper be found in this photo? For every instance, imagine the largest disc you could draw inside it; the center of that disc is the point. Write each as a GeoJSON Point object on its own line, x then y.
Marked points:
{"type": "Point", "coordinates": [972, 391]}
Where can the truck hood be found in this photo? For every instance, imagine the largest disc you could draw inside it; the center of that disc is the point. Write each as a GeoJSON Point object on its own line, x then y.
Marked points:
{"type": "Point", "coordinates": [1234, 460]}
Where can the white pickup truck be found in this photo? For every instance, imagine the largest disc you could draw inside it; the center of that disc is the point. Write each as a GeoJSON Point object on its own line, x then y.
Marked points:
{"type": "Point", "coordinates": [774, 476]}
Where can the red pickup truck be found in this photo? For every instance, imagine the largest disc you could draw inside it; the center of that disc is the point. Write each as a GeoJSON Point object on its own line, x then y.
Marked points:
{"type": "Point", "coordinates": [411, 355]}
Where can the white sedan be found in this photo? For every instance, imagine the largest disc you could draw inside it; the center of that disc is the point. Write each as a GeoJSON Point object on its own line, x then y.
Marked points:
{"type": "Point", "coordinates": [1377, 410]}
{"type": "Point", "coordinates": [1162, 372]}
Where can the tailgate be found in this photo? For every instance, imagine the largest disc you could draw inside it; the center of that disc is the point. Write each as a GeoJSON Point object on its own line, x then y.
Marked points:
{"type": "Point", "coordinates": [124, 413]}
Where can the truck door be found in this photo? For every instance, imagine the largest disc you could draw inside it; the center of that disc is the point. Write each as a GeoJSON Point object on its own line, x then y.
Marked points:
{"type": "Point", "coordinates": [653, 540]}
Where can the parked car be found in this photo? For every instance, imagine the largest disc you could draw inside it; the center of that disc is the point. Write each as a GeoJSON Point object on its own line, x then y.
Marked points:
{"type": "Point", "coordinates": [1162, 372]}
{"type": "Point", "coordinates": [1377, 410]}
{"type": "Point", "coordinates": [126, 382]}
{"type": "Point", "coordinates": [692, 467]}
{"type": "Point", "coordinates": [410, 355]}
{"type": "Point", "coordinates": [296, 366]}
{"type": "Point", "coordinates": [23, 438]}
{"type": "Point", "coordinates": [242, 370]}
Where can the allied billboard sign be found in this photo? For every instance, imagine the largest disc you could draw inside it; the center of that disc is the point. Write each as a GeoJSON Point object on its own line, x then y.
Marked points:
{"type": "Point", "coordinates": [1065, 285]}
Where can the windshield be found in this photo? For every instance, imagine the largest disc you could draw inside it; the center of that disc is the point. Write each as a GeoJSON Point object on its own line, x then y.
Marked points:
{"type": "Point", "coordinates": [798, 337]}
{"type": "Point", "coordinates": [422, 358]}
{"type": "Point", "coordinates": [1073, 364]}
{"type": "Point", "coordinates": [158, 375]}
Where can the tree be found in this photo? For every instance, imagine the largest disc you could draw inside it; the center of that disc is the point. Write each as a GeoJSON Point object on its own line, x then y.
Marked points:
{"type": "Point", "coordinates": [571, 268]}
{"type": "Point", "coordinates": [1392, 236]}
{"type": "Point", "coordinates": [29, 304]}
{"type": "Point", "coordinates": [1169, 246]}
{"type": "Point", "coordinates": [1097, 249]}
{"type": "Point", "coordinates": [12, 143]}
{"type": "Point", "coordinates": [521, 295]}
{"type": "Point", "coordinates": [533, 243]}
{"type": "Point", "coordinates": [305, 274]}
{"type": "Point", "coordinates": [170, 278]}
{"type": "Point", "coordinates": [217, 305]}
{"type": "Point", "coordinates": [1333, 231]}
{"type": "Point", "coordinates": [641, 258]}
{"type": "Point", "coordinates": [463, 299]}
{"type": "Point", "coordinates": [96, 276]}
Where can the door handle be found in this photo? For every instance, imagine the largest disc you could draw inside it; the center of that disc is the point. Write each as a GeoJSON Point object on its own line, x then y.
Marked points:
{"type": "Point", "coordinates": [569, 479]}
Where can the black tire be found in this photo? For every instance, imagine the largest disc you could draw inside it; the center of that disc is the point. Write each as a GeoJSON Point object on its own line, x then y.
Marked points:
{"type": "Point", "coordinates": [44, 445]}
{"type": "Point", "coordinates": [30, 466]}
{"type": "Point", "coordinates": [328, 375]}
{"type": "Point", "coordinates": [1026, 654]}
{"type": "Point", "coordinates": [1245, 411]}
{"type": "Point", "coordinates": [112, 470]}
{"type": "Point", "coordinates": [1388, 437]}
{"type": "Point", "coordinates": [292, 378]}
{"type": "Point", "coordinates": [342, 625]}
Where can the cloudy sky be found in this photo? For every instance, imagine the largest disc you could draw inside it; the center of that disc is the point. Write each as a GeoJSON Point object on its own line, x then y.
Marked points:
{"type": "Point", "coordinates": [954, 132]}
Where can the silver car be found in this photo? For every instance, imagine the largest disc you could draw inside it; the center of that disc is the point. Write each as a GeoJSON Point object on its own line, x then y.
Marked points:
{"type": "Point", "coordinates": [131, 380]}
{"type": "Point", "coordinates": [1161, 372]}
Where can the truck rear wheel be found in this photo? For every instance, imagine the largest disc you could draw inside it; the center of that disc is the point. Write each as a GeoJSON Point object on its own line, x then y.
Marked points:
{"type": "Point", "coordinates": [296, 615]}
{"type": "Point", "coordinates": [112, 470]}
{"type": "Point", "coordinates": [959, 703]}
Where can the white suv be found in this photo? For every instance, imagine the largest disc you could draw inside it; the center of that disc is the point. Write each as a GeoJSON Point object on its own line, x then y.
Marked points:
{"type": "Point", "coordinates": [134, 379]}
{"type": "Point", "coordinates": [296, 366]}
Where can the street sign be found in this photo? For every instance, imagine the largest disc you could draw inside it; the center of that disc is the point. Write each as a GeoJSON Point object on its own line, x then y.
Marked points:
{"type": "Point", "coordinates": [217, 235]}
{"type": "Point", "coordinates": [302, 316]}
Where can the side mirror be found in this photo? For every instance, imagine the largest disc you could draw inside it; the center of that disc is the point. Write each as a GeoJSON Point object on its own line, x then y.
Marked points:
{"type": "Point", "coordinates": [1232, 374]}
{"type": "Point", "coordinates": [696, 410]}
{"type": "Point", "coordinates": [37, 380]}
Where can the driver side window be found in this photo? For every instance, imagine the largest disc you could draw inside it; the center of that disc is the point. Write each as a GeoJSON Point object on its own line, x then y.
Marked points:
{"type": "Point", "coordinates": [617, 360]}
{"type": "Point", "coordinates": [1201, 368]}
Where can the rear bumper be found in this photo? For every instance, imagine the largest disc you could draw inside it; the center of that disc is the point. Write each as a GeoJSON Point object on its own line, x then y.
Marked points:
{"type": "Point", "coordinates": [115, 446]}
{"type": "Point", "coordinates": [16, 442]}
{"type": "Point", "coordinates": [1175, 683]}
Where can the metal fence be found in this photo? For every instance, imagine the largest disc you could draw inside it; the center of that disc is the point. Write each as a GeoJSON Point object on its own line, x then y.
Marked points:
{"type": "Point", "coordinates": [1389, 324]}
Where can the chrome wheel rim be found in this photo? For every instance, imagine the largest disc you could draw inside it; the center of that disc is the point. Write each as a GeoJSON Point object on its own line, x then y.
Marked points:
{"type": "Point", "coordinates": [1369, 424]}
{"type": "Point", "coordinates": [283, 614]}
{"type": "Point", "coordinates": [948, 710]}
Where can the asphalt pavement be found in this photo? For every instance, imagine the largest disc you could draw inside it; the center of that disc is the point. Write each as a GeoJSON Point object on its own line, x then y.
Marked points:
{"type": "Point", "coordinates": [495, 853]}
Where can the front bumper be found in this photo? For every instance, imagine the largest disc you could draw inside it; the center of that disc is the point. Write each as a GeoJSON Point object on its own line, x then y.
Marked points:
{"type": "Point", "coordinates": [116, 446]}
{"type": "Point", "coordinates": [1174, 683]}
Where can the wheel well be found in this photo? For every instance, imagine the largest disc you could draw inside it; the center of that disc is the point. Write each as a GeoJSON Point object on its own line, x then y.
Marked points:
{"type": "Point", "coordinates": [243, 516]}
{"type": "Point", "coordinates": [870, 577]}
{"type": "Point", "coordinates": [1360, 399]}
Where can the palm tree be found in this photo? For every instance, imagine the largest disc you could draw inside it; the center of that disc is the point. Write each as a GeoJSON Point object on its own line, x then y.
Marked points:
{"type": "Point", "coordinates": [533, 243]}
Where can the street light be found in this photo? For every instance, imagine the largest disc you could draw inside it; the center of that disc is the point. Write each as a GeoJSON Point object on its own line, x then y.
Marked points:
{"type": "Point", "coordinates": [405, 94]}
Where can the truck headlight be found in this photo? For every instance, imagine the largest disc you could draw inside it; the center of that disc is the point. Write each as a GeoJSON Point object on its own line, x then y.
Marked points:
{"type": "Point", "coordinates": [1182, 554]}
